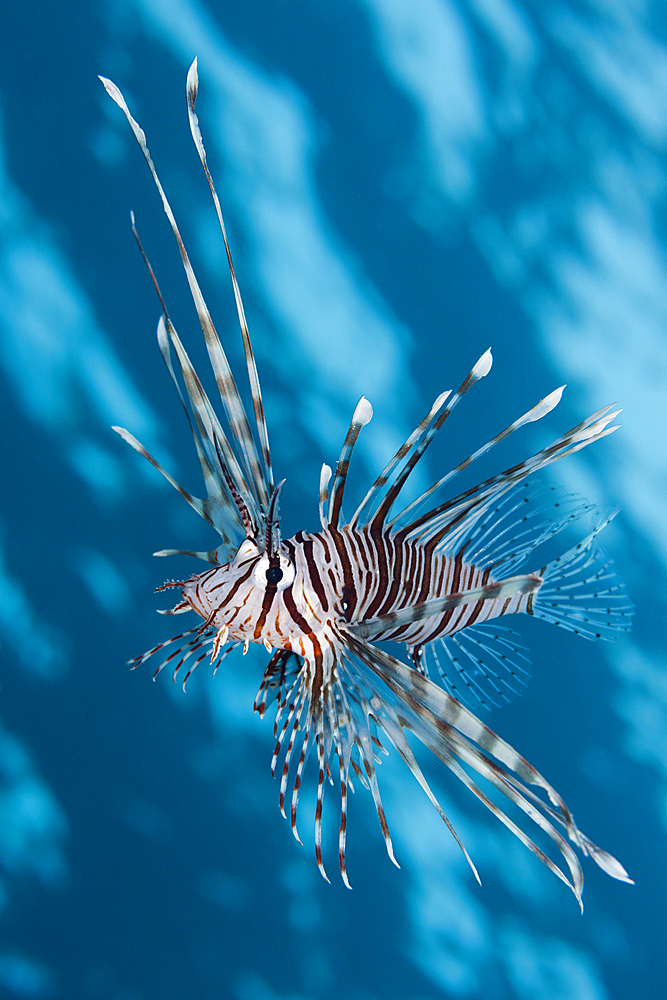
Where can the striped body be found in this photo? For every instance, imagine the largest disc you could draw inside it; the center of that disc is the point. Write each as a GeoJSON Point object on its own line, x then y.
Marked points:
{"type": "Point", "coordinates": [343, 577]}
{"type": "Point", "coordinates": [377, 576]}
{"type": "Point", "coordinates": [435, 576]}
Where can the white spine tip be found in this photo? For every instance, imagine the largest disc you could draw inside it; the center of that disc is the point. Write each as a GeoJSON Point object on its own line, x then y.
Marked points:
{"type": "Point", "coordinates": [441, 400]}
{"type": "Point", "coordinates": [483, 366]}
{"type": "Point", "coordinates": [554, 398]}
{"type": "Point", "coordinates": [109, 86]}
{"type": "Point", "coordinates": [114, 92]}
{"type": "Point", "coordinates": [325, 476]}
{"type": "Point", "coordinates": [162, 337]}
{"type": "Point", "coordinates": [363, 412]}
{"type": "Point", "coordinates": [545, 405]}
{"type": "Point", "coordinates": [611, 866]}
{"type": "Point", "coordinates": [192, 83]}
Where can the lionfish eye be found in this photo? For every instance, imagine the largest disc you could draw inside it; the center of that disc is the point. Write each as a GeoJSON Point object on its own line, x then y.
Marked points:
{"type": "Point", "coordinates": [278, 576]}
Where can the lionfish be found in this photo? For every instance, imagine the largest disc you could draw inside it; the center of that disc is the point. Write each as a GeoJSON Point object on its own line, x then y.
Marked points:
{"type": "Point", "coordinates": [433, 577]}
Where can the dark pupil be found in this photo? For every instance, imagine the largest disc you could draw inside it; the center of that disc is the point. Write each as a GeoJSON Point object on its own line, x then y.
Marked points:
{"type": "Point", "coordinates": [274, 574]}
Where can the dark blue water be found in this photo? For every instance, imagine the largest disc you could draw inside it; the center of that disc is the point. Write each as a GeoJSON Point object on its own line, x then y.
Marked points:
{"type": "Point", "coordinates": [405, 184]}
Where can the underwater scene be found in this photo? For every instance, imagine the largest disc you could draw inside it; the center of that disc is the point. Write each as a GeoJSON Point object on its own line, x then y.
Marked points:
{"type": "Point", "coordinates": [404, 186]}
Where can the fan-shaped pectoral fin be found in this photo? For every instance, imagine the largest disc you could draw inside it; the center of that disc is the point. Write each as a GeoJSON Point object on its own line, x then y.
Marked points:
{"type": "Point", "coordinates": [458, 737]}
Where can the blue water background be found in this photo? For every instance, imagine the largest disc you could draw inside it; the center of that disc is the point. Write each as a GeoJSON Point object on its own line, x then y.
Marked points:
{"type": "Point", "coordinates": [405, 184]}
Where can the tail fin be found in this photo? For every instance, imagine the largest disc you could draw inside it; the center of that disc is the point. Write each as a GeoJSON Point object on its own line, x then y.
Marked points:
{"type": "Point", "coordinates": [582, 591]}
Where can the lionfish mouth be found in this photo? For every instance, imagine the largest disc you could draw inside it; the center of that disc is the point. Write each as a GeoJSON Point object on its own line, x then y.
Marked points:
{"type": "Point", "coordinates": [435, 575]}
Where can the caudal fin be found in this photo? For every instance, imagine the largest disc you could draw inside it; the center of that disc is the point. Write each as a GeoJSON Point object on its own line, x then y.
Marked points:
{"type": "Point", "coordinates": [583, 592]}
